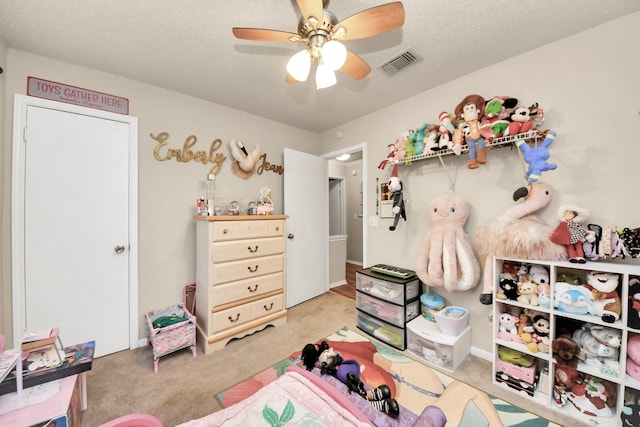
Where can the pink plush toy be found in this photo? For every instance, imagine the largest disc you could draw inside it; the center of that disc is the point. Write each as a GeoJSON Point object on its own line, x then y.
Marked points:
{"type": "Point", "coordinates": [633, 357]}
{"type": "Point", "coordinates": [447, 258]}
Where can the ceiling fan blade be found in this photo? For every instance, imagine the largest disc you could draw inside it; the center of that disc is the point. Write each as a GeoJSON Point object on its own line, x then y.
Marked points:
{"type": "Point", "coordinates": [290, 79]}
{"type": "Point", "coordinates": [310, 8]}
{"type": "Point", "coordinates": [370, 22]}
{"type": "Point", "coordinates": [355, 66]}
{"type": "Point", "coordinates": [262, 35]}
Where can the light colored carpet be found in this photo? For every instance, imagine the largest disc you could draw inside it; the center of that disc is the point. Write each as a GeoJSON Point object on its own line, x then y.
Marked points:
{"type": "Point", "coordinates": [184, 388]}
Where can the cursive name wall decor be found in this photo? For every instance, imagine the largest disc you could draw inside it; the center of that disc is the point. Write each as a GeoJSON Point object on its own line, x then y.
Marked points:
{"type": "Point", "coordinates": [186, 154]}
{"type": "Point", "coordinates": [266, 166]}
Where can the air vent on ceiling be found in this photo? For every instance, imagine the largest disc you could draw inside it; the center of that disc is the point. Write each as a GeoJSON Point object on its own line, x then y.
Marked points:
{"type": "Point", "coordinates": [400, 61]}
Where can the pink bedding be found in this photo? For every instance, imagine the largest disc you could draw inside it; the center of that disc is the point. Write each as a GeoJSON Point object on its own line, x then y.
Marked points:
{"type": "Point", "coordinates": [297, 397]}
{"type": "Point", "coordinates": [302, 397]}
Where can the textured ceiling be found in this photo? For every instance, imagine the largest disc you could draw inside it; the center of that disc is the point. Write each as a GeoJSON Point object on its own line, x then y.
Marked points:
{"type": "Point", "coordinates": [187, 46]}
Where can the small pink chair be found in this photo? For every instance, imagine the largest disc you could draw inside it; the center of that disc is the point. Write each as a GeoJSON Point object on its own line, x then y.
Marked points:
{"type": "Point", "coordinates": [134, 420]}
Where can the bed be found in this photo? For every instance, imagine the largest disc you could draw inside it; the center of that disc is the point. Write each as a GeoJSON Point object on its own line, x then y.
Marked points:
{"type": "Point", "coordinates": [300, 397]}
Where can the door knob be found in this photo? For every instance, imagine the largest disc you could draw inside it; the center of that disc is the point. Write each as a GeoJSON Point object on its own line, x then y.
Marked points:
{"type": "Point", "coordinates": [119, 249]}
{"type": "Point", "coordinates": [290, 236]}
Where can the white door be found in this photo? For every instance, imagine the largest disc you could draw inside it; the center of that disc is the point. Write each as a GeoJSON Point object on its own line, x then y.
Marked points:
{"type": "Point", "coordinates": [306, 205]}
{"type": "Point", "coordinates": [76, 228]}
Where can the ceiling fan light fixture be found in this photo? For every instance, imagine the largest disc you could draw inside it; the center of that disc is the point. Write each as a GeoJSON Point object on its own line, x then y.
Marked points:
{"type": "Point", "coordinates": [334, 54]}
{"type": "Point", "coordinates": [299, 65]}
{"type": "Point", "coordinates": [325, 77]}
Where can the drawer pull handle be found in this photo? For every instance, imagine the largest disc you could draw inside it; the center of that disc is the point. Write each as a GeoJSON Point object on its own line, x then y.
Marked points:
{"type": "Point", "coordinates": [253, 270]}
{"type": "Point", "coordinates": [278, 228]}
{"type": "Point", "coordinates": [254, 289]}
{"type": "Point", "coordinates": [254, 250]}
{"type": "Point", "coordinates": [268, 308]}
{"type": "Point", "coordinates": [232, 320]}
{"type": "Point", "coordinates": [225, 231]}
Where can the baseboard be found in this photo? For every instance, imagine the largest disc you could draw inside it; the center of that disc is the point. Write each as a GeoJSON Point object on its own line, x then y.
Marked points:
{"type": "Point", "coordinates": [482, 354]}
{"type": "Point", "coordinates": [339, 283]}
{"type": "Point", "coordinates": [354, 262]}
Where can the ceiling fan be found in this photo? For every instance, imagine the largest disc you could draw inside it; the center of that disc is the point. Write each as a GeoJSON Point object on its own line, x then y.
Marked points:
{"type": "Point", "coordinates": [321, 32]}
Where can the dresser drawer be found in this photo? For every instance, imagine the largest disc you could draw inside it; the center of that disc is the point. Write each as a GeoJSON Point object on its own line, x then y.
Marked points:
{"type": "Point", "coordinates": [267, 306]}
{"type": "Point", "coordinates": [248, 268]}
{"type": "Point", "coordinates": [249, 248]}
{"type": "Point", "coordinates": [246, 288]}
{"type": "Point", "coordinates": [233, 230]}
{"type": "Point", "coordinates": [244, 313]}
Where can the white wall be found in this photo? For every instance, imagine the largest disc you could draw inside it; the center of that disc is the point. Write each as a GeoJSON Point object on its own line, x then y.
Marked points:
{"type": "Point", "coordinates": [589, 88]}
{"type": "Point", "coordinates": [167, 189]}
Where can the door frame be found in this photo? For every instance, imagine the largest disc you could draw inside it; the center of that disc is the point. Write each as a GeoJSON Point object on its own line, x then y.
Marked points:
{"type": "Point", "coordinates": [21, 103]}
{"type": "Point", "coordinates": [358, 147]}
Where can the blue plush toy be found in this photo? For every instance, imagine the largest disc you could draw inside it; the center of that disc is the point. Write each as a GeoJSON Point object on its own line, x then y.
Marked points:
{"type": "Point", "coordinates": [537, 157]}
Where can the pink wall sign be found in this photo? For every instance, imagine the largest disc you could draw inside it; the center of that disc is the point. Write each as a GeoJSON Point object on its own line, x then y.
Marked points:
{"type": "Point", "coordinates": [75, 95]}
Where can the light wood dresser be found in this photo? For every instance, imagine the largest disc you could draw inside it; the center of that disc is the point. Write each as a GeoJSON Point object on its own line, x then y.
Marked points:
{"type": "Point", "coordinates": [240, 276]}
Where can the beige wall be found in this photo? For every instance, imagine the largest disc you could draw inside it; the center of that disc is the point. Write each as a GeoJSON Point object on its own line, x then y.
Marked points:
{"type": "Point", "coordinates": [167, 190]}
{"type": "Point", "coordinates": [589, 88]}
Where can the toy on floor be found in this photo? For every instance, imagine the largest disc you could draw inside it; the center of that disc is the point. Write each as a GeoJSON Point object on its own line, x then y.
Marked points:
{"type": "Point", "coordinates": [348, 372]}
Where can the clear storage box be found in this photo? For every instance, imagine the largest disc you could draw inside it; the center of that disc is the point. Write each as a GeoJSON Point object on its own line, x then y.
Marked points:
{"type": "Point", "coordinates": [388, 288]}
{"type": "Point", "coordinates": [385, 332]}
{"type": "Point", "coordinates": [428, 343]}
{"type": "Point", "coordinates": [395, 314]}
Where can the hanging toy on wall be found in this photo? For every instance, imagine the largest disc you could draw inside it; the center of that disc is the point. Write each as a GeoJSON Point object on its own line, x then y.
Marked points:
{"type": "Point", "coordinates": [447, 258]}
{"type": "Point", "coordinates": [245, 165]}
{"type": "Point", "coordinates": [536, 157]}
{"type": "Point", "coordinates": [395, 186]}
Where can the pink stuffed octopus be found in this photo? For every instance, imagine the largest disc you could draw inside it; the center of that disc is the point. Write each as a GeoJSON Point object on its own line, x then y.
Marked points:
{"type": "Point", "coordinates": [447, 259]}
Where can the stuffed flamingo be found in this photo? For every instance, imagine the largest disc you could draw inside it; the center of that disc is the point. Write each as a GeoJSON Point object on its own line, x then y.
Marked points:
{"type": "Point", "coordinates": [516, 233]}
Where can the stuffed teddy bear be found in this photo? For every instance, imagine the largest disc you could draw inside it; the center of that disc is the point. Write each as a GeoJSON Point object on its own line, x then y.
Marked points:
{"type": "Point", "coordinates": [633, 314]}
{"type": "Point", "coordinates": [565, 351]}
{"type": "Point", "coordinates": [633, 357]}
{"type": "Point", "coordinates": [537, 157]}
{"type": "Point", "coordinates": [527, 291]}
{"type": "Point", "coordinates": [606, 300]}
{"type": "Point", "coordinates": [539, 274]}
{"type": "Point", "coordinates": [600, 347]}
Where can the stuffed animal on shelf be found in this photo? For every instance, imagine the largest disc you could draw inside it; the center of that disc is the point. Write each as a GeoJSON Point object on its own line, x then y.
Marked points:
{"type": "Point", "coordinates": [540, 276]}
{"type": "Point", "coordinates": [391, 153]}
{"type": "Point", "coordinates": [537, 157]}
{"type": "Point", "coordinates": [497, 111]}
{"type": "Point", "coordinates": [508, 288]}
{"type": "Point", "coordinates": [447, 258]}
{"type": "Point", "coordinates": [395, 186]}
{"type": "Point", "coordinates": [508, 327]}
{"type": "Point", "coordinates": [600, 347]}
{"type": "Point", "coordinates": [633, 314]}
{"type": "Point", "coordinates": [521, 120]}
{"type": "Point", "coordinates": [571, 299]}
{"type": "Point", "coordinates": [527, 290]}
{"type": "Point", "coordinates": [633, 357]}
{"type": "Point", "coordinates": [565, 351]}
{"type": "Point", "coordinates": [630, 413]}
{"type": "Point", "coordinates": [470, 111]}
{"type": "Point", "coordinates": [571, 232]}
{"type": "Point", "coordinates": [330, 362]}
{"type": "Point", "coordinates": [541, 330]}
{"type": "Point", "coordinates": [606, 300]}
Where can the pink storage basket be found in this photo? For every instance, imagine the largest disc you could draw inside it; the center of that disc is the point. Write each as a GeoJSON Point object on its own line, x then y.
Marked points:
{"type": "Point", "coordinates": [173, 337]}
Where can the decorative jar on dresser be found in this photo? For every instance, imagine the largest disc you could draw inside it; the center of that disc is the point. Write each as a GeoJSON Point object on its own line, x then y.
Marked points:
{"type": "Point", "coordinates": [240, 276]}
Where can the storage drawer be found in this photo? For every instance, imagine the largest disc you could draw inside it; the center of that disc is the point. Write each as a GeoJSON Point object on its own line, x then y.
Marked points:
{"type": "Point", "coordinates": [385, 332]}
{"type": "Point", "coordinates": [395, 314]}
{"type": "Point", "coordinates": [427, 342]}
{"type": "Point", "coordinates": [519, 373]}
{"type": "Point", "coordinates": [244, 249]}
{"type": "Point", "coordinates": [233, 230]}
{"type": "Point", "coordinates": [396, 291]}
{"type": "Point", "coordinates": [246, 288]}
{"type": "Point", "coordinates": [243, 269]}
